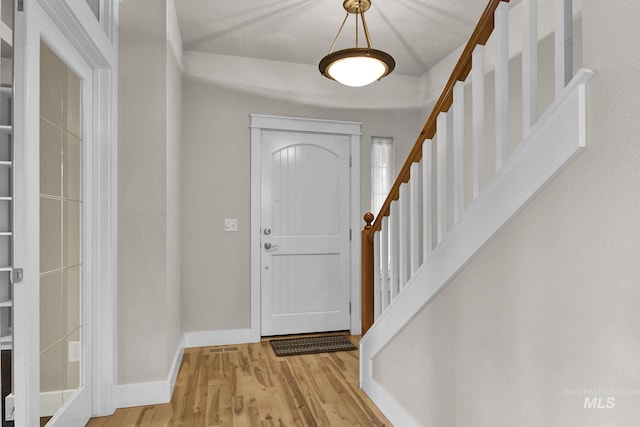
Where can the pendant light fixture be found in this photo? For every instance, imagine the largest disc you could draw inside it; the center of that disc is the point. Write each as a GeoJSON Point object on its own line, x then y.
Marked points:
{"type": "Point", "coordinates": [356, 66]}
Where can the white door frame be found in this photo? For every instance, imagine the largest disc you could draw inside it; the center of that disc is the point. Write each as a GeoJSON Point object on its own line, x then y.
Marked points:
{"type": "Point", "coordinates": [72, 30]}
{"type": "Point", "coordinates": [260, 122]}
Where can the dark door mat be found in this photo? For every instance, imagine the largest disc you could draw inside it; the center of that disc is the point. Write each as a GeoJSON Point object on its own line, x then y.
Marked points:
{"type": "Point", "coordinates": [311, 345]}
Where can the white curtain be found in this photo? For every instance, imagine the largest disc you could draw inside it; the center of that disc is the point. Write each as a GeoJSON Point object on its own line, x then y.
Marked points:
{"type": "Point", "coordinates": [381, 171]}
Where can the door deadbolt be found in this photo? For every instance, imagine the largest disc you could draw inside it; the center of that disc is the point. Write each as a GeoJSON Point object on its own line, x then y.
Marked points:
{"type": "Point", "coordinates": [267, 231]}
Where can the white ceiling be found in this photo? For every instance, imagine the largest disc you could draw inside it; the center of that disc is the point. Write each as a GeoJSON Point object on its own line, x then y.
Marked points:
{"type": "Point", "coordinates": [417, 33]}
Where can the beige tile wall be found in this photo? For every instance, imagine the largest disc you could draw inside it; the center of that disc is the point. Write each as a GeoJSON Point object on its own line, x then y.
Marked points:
{"type": "Point", "coordinates": [60, 223]}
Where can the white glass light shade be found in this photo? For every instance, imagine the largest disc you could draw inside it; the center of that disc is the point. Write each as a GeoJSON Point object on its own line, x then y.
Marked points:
{"type": "Point", "coordinates": [357, 66]}
{"type": "Point", "coordinates": [356, 72]}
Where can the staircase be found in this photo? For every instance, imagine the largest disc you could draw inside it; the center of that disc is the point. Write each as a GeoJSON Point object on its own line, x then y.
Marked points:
{"type": "Point", "coordinates": [488, 147]}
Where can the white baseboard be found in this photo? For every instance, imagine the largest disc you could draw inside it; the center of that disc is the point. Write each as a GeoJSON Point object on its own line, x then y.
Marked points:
{"type": "Point", "coordinates": [152, 392]}
{"type": "Point", "coordinates": [140, 394]}
{"type": "Point", "coordinates": [156, 392]}
{"type": "Point", "coordinates": [388, 405]}
{"type": "Point", "coordinates": [222, 337]}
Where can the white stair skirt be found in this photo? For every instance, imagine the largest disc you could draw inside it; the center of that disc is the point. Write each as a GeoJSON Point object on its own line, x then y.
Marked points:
{"type": "Point", "coordinates": [556, 138]}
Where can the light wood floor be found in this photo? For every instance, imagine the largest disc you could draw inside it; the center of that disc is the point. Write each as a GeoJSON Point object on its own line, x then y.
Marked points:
{"type": "Point", "coordinates": [247, 385]}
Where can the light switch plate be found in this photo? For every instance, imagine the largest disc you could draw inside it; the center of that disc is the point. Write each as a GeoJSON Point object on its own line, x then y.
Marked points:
{"type": "Point", "coordinates": [231, 224]}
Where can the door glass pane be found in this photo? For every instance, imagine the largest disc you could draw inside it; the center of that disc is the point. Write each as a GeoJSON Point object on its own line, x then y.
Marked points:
{"type": "Point", "coordinates": [60, 231]}
{"type": "Point", "coordinates": [7, 14]}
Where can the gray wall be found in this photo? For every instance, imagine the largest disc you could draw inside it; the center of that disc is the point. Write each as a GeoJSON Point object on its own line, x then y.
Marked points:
{"type": "Point", "coordinates": [215, 185]}
{"type": "Point", "coordinates": [553, 302]}
{"type": "Point", "coordinates": [149, 320]}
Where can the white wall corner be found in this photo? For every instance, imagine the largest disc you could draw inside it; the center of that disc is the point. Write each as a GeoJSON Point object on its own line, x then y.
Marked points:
{"type": "Point", "coordinates": [174, 37]}
{"type": "Point", "coordinates": [152, 392]}
{"type": "Point", "coordinates": [221, 337]}
{"type": "Point", "coordinates": [175, 365]}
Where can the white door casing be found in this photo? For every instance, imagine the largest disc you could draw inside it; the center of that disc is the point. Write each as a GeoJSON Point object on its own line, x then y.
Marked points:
{"type": "Point", "coordinates": [69, 27]}
{"type": "Point", "coordinates": [285, 248]}
{"type": "Point", "coordinates": [305, 232]}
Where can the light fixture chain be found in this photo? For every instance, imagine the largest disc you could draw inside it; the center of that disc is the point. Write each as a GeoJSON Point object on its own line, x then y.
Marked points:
{"type": "Point", "coordinates": [339, 31]}
{"type": "Point", "coordinates": [366, 30]}
{"type": "Point", "coordinates": [357, 25]}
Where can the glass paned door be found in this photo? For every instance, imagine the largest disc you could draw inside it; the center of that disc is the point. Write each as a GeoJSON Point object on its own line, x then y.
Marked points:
{"type": "Point", "coordinates": [62, 229]}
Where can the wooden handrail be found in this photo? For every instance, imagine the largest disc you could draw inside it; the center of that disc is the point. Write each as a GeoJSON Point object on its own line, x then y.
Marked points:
{"type": "Point", "coordinates": [460, 72]}
{"type": "Point", "coordinates": [480, 35]}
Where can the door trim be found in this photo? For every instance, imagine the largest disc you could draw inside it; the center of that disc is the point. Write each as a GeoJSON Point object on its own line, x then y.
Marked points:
{"type": "Point", "coordinates": [63, 23]}
{"type": "Point", "coordinates": [260, 122]}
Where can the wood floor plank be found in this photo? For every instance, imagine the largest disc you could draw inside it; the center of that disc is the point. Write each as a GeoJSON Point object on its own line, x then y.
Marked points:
{"type": "Point", "coordinates": [247, 385]}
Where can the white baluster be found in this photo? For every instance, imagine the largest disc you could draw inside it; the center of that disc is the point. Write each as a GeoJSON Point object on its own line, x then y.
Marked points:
{"type": "Point", "coordinates": [427, 200]}
{"type": "Point", "coordinates": [501, 34]}
{"type": "Point", "coordinates": [529, 65]}
{"type": "Point", "coordinates": [458, 150]}
{"type": "Point", "coordinates": [414, 219]}
{"type": "Point", "coordinates": [384, 263]}
{"type": "Point", "coordinates": [403, 241]}
{"type": "Point", "coordinates": [394, 247]}
{"type": "Point", "coordinates": [563, 11]}
{"type": "Point", "coordinates": [376, 275]}
{"type": "Point", "coordinates": [477, 106]}
{"type": "Point", "coordinates": [441, 147]}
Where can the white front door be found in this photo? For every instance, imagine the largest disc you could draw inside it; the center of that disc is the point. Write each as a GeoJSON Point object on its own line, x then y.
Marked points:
{"type": "Point", "coordinates": [305, 246]}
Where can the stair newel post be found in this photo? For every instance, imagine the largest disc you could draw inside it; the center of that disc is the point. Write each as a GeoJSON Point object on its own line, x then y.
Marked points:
{"type": "Point", "coordinates": [367, 274]}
